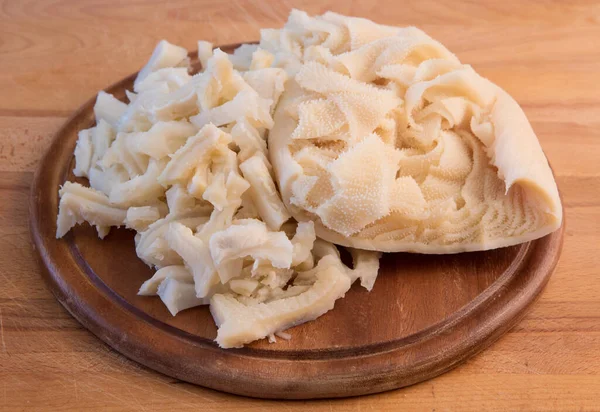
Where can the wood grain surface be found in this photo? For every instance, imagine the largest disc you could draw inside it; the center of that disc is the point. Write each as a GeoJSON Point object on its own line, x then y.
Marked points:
{"type": "Point", "coordinates": [54, 55]}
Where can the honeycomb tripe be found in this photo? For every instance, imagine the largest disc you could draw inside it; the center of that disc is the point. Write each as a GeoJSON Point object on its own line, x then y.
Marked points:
{"type": "Point", "coordinates": [388, 142]}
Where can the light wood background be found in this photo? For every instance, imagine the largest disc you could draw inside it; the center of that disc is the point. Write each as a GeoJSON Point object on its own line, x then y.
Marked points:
{"type": "Point", "coordinates": [54, 55]}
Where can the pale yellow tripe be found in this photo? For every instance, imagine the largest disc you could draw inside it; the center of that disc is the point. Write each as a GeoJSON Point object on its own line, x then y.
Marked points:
{"type": "Point", "coordinates": [378, 138]}
{"type": "Point", "coordinates": [387, 142]}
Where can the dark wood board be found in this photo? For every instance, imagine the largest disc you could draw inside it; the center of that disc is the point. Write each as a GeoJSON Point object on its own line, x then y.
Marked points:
{"type": "Point", "coordinates": [425, 315]}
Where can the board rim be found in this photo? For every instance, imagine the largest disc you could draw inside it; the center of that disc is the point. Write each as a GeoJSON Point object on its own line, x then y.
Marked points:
{"type": "Point", "coordinates": [336, 375]}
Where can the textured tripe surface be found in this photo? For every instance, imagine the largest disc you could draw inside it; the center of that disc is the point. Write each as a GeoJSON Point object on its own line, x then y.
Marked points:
{"type": "Point", "coordinates": [378, 138]}
{"type": "Point", "coordinates": [388, 142]}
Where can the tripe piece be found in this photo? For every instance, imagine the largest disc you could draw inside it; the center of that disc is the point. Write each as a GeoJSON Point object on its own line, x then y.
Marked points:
{"type": "Point", "coordinates": [109, 108]}
{"type": "Point", "coordinates": [139, 218]}
{"type": "Point", "coordinates": [264, 193]}
{"type": "Point", "coordinates": [240, 324]}
{"type": "Point", "coordinates": [80, 204]}
{"type": "Point", "coordinates": [387, 142]}
{"type": "Point", "coordinates": [249, 237]}
{"type": "Point", "coordinates": [196, 256]}
{"type": "Point", "coordinates": [164, 55]}
{"type": "Point", "coordinates": [177, 272]}
{"type": "Point", "coordinates": [178, 296]}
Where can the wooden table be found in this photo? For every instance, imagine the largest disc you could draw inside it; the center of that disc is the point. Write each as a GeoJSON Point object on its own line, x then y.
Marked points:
{"type": "Point", "coordinates": [54, 55]}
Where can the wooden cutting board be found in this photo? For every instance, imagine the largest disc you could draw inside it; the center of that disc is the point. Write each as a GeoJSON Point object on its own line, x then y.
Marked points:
{"type": "Point", "coordinates": [425, 315]}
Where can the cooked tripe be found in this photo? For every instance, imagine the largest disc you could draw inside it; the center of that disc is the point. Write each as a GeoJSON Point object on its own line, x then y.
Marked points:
{"type": "Point", "coordinates": [387, 142]}
{"type": "Point", "coordinates": [379, 140]}
{"type": "Point", "coordinates": [186, 166]}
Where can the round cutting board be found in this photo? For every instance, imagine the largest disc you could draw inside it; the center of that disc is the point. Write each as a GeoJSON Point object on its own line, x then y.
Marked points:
{"type": "Point", "coordinates": [425, 315]}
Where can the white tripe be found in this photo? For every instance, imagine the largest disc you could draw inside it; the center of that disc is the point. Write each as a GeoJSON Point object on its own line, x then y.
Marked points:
{"type": "Point", "coordinates": [387, 142]}
{"type": "Point", "coordinates": [379, 138]}
{"type": "Point", "coordinates": [185, 164]}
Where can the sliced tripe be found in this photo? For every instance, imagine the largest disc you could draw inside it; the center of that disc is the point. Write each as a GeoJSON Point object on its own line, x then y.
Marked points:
{"type": "Point", "coordinates": [178, 296]}
{"type": "Point", "coordinates": [139, 218]}
{"type": "Point", "coordinates": [105, 179]}
{"type": "Point", "coordinates": [243, 287]}
{"type": "Point", "coordinates": [177, 272]}
{"type": "Point", "coordinates": [91, 147]}
{"type": "Point", "coordinates": [303, 242]}
{"type": "Point", "coordinates": [137, 116]}
{"type": "Point", "coordinates": [322, 248]}
{"type": "Point", "coordinates": [248, 237]}
{"type": "Point", "coordinates": [240, 324]}
{"type": "Point", "coordinates": [269, 83]}
{"type": "Point", "coordinates": [234, 190]}
{"type": "Point", "coordinates": [80, 204]}
{"type": "Point", "coordinates": [142, 189]}
{"type": "Point", "coordinates": [222, 83]}
{"type": "Point", "coordinates": [216, 191]}
{"type": "Point", "coordinates": [194, 158]}
{"type": "Point", "coordinates": [264, 193]}
{"type": "Point", "coordinates": [288, 292]}
{"type": "Point", "coordinates": [119, 153]}
{"type": "Point", "coordinates": [102, 231]}
{"type": "Point", "coordinates": [246, 104]}
{"type": "Point", "coordinates": [324, 252]}
{"type": "Point", "coordinates": [308, 277]}
{"type": "Point", "coordinates": [83, 153]}
{"type": "Point", "coordinates": [247, 209]}
{"type": "Point", "coordinates": [205, 52]}
{"type": "Point", "coordinates": [366, 267]}
{"type": "Point", "coordinates": [220, 219]}
{"type": "Point", "coordinates": [231, 197]}
{"type": "Point", "coordinates": [283, 335]}
{"type": "Point", "coordinates": [164, 55]}
{"type": "Point", "coordinates": [163, 138]}
{"type": "Point", "coordinates": [211, 242]}
{"type": "Point", "coordinates": [109, 109]}
{"type": "Point", "coordinates": [177, 104]}
{"type": "Point", "coordinates": [179, 200]}
{"type": "Point", "coordinates": [248, 140]}
{"type": "Point", "coordinates": [164, 80]}
{"type": "Point", "coordinates": [223, 175]}
{"type": "Point", "coordinates": [196, 256]}
{"type": "Point", "coordinates": [102, 137]}
{"type": "Point", "coordinates": [151, 245]}
{"type": "Point", "coordinates": [272, 274]}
